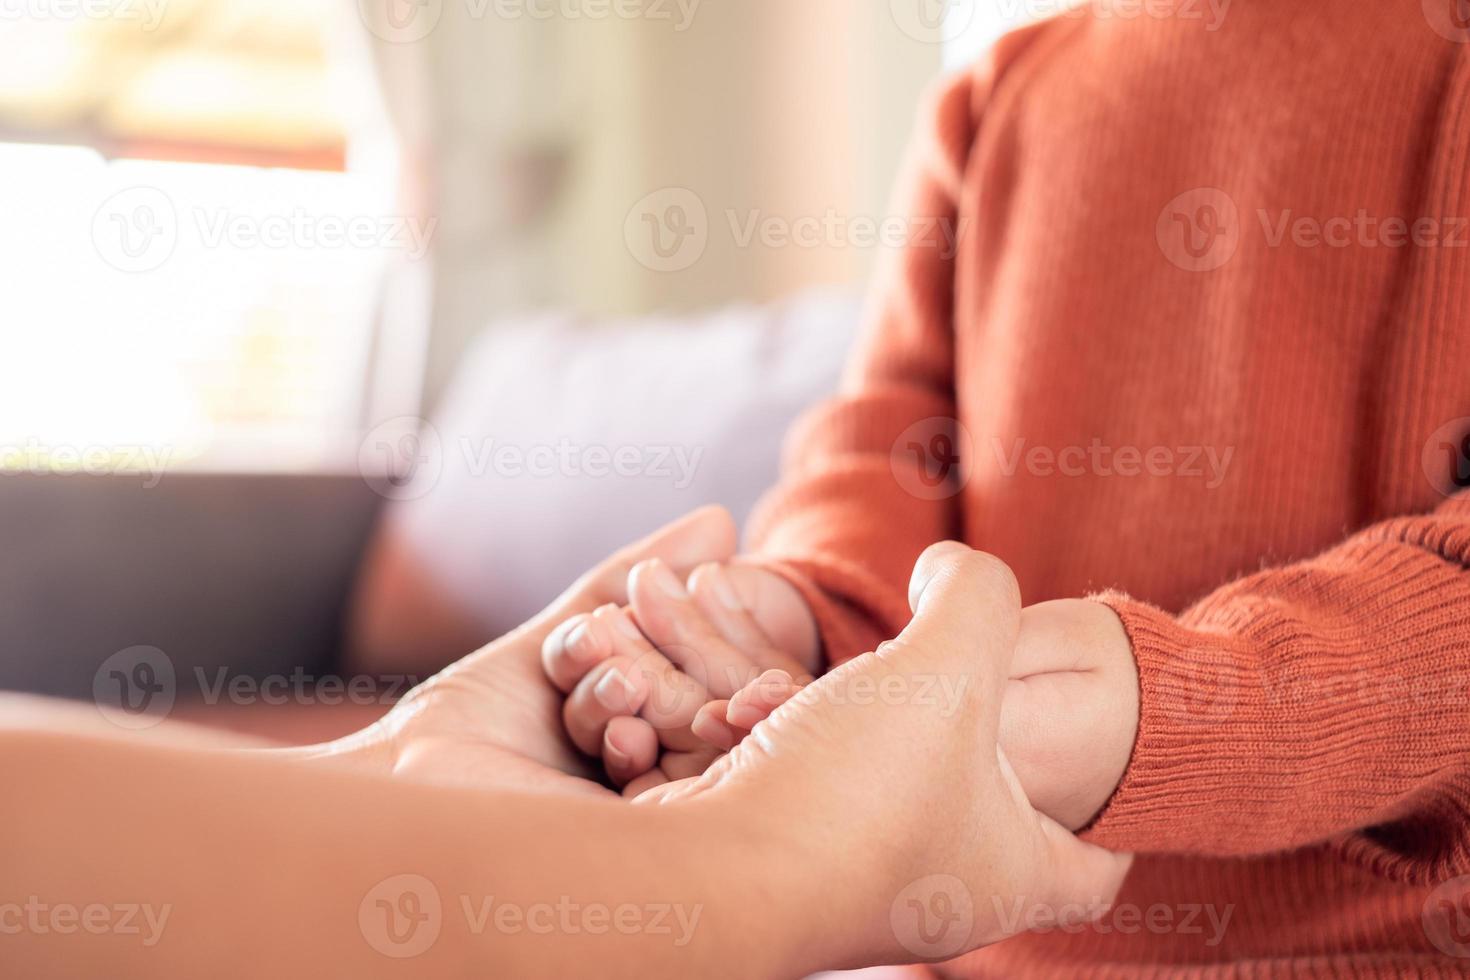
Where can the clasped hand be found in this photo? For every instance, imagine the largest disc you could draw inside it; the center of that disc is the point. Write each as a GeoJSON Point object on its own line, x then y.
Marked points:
{"type": "Point", "coordinates": [660, 688]}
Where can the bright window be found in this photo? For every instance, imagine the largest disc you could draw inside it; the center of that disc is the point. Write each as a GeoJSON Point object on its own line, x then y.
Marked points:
{"type": "Point", "coordinates": [194, 242]}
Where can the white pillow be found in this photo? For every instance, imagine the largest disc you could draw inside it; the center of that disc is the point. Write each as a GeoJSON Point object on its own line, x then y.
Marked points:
{"type": "Point", "coordinates": [562, 439]}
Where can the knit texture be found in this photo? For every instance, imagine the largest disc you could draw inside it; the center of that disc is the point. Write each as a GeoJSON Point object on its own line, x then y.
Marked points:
{"type": "Point", "coordinates": [1203, 353]}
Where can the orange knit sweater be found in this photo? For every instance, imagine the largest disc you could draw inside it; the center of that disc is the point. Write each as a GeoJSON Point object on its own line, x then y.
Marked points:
{"type": "Point", "coordinates": [1207, 340]}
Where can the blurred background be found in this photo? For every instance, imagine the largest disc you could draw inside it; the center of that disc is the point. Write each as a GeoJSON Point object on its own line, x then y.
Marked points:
{"type": "Point", "coordinates": [339, 335]}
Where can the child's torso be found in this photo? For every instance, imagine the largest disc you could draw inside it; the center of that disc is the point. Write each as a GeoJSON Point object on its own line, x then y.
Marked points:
{"type": "Point", "coordinates": [1212, 316]}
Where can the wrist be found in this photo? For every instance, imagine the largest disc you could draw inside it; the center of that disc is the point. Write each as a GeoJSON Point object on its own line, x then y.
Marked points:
{"type": "Point", "coordinates": [377, 749]}
{"type": "Point", "coordinates": [788, 905]}
{"type": "Point", "coordinates": [372, 751]}
{"type": "Point", "coordinates": [1071, 716]}
{"type": "Point", "coordinates": [816, 897]}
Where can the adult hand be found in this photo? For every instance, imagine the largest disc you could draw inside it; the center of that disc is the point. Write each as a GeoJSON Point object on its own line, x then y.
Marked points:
{"type": "Point", "coordinates": [889, 772]}
{"type": "Point", "coordinates": [493, 719]}
{"type": "Point", "coordinates": [1068, 721]}
{"type": "Point", "coordinates": [871, 818]}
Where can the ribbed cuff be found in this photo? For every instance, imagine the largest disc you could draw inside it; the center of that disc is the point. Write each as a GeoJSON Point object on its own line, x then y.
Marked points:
{"type": "Point", "coordinates": [1190, 688]}
{"type": "Point", "coordinates": [1297, 706]}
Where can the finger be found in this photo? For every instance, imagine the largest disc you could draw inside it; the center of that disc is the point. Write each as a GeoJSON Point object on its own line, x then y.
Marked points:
{"type": "Point", "coordinates": [648, 788]}
{"type": "Point", "coordinates": [753, 704]}
{"type": "Point", "coordinates": [1081, 879]}
{"type": "Point", "coordinates": [610, 689]}
{"type": "Point", "coordinates": [672, 621]}
{"type": "Point", "coordinates": [711, 725]}
{"type": "Point", "coordinates": [724, 724]}
{"type": "Point", "coordinates": [716, 594]}
{"type": "Point", "coordinates": [629, 749]}
{"type": "Point", "coordinates": [785, 613]}
{"type": "Point", "coordinates": [1074, 881]}
{"type": "Point", "coordinates": [687, 765]}
{"type": "Point", "coordinates": [574, 648]}
{"type": "Point", "coordinates": [658, 793]}
{"type": "Point", "coordinates": [967, 611]}
{"type": "Point", "coordinates": [674, 698]}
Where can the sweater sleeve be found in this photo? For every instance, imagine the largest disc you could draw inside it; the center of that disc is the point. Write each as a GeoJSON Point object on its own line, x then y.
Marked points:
{"type": "Point", "coordinates": [869, 478]}
{"type": "Point", "coordinates": [1322, 701]}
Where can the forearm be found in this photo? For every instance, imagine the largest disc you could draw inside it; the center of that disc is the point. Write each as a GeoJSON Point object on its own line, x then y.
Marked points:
{"type": "Point", "coordinates": [871, 478]}
{"type": "Point", "coordinates": [845, 533]}
{"type": "Point", "coordinates": [251, 863]}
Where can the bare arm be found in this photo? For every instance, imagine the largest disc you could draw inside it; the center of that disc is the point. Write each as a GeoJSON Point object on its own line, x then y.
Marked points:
{"type": "Point", "coordinates": [802, 850]}
{"type": "Point", "coordinates": [257, 864]}
{"type": "Point", "coordinates": [175, 852]}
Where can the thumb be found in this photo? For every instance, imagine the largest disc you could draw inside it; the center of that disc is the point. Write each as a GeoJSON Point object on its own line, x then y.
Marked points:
{"type": "Point", "coordinates": [967, 614]}
{"type": "Point", "coordinates": [1074, 881]}
{"type": "Point", "coordinates": [1082, 879]}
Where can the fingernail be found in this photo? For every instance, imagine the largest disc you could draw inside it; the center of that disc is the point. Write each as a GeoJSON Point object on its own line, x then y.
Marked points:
{"type": "Point", "coordinates": [712, 731]}
{"type": "Point", "coordinates": [614, 691]}
{"type": "Point", "coordinates": [743, 715]}
{"type": "Point", "coordinates": [724, 589]}
{"type": "Point", "coordinates": [616, 755]}
{"type": "Point", "coordinates": [928, 566]}
{"type": "Point", "coordinates": [666, 581]}
{"type": "Point", "coordinates": [580, 642]}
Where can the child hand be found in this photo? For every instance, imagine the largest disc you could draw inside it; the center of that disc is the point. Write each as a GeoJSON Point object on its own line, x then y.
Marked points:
{"type": "Point", "coordinates": [1071, 709]}
{"type": "Point", "coordinates": [635, 678]}
{"type": "Point", "coordinates": [724, 724]}
{"type": "Point", "coordinates": [1068, 718]}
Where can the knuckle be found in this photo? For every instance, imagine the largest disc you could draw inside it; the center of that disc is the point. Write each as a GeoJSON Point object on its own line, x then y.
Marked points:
{"type": "Point", "coordinates": [578, 726]}
{"type": "Point", "coordinates": [993, 575]}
